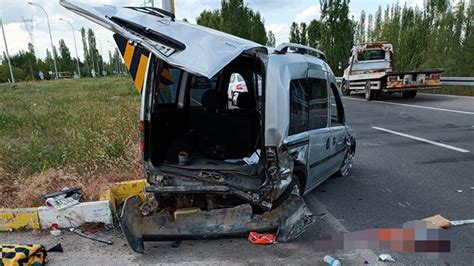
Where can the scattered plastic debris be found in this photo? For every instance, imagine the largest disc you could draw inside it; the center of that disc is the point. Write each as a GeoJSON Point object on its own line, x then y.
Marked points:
{"type": "Point", "coordinates": [459, 190]}
{"type": "Point", "coordinates": [63, 199]}
{"type": "Point", "coordinates": [54, 230]}
{"type": "Point", "coordinates": [92, 237]}
{"type": "Point", "coordinates": [56, 248]}
{"type": "Point", "coordinates": [254, 158]}
{"type": "Point", "coordinates": [386, 257]}
{"type": "Point", "coordinates": [262, 239]}
{"type": "Point", "coordinates": [472, 188]}
{"type": "Point", "coordinates": [438, 221]}
{"type": "Point", "coordinates": [331, 261]}
{"type": "Point", "coordinates": [461, 222]}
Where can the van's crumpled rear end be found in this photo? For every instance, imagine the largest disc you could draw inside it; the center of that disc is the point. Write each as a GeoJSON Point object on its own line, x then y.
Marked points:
{"type": "Point", "coordinates": [220, 201]}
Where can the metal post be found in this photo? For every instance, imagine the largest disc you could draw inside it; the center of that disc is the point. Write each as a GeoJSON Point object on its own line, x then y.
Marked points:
{"type": "Point", "coordinates": [8, 55]}
{"type": "Point", "coordinates": [50, 38]}
{"type": "Point", "coordinates": [75, 46]}
{"type": "Point", "coordinates": [168, 5]}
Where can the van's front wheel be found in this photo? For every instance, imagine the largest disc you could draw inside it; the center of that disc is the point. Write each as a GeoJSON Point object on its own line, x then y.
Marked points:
{"type": "Point", "coordinates": [346, 165]}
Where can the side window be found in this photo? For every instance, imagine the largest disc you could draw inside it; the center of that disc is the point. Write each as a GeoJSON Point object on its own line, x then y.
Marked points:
{"type": "Point", "coordinates": [318, 103]}
{"type": "Point", "coordinates": [199, 85]}
{"type": "Point", "coordinates": [298, 107]}
{"type": "Point", "coordinates": [337, 110]}
{"type": "Point", "coordinates": [169, 84]}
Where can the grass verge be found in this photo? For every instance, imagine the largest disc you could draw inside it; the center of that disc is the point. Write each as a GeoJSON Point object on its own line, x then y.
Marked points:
{"type": "Point", "coordinates": [66, 133]}
{"type": "Point", "coordinates": [453, 90]}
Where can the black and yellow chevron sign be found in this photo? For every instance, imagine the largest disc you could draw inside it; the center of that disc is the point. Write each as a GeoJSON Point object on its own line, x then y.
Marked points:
{"type": "Point", "coordinates": [136, 59]}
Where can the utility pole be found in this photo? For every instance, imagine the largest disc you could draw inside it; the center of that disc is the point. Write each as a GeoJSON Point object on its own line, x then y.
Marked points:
{"type": "Point", "coordinates": [50, 38]}
{"type": "Point", "coordinates": [8, 55]}
{"type": "Point", "coordinates": [75, 46]}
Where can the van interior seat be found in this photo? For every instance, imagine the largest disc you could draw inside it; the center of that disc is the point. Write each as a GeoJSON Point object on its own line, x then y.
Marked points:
{"type": "Point", "coordinates": [232, 134]}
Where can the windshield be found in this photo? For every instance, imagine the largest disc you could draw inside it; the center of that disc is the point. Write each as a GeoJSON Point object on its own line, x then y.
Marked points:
{"type": "Point", "coordinates": [371, 55]}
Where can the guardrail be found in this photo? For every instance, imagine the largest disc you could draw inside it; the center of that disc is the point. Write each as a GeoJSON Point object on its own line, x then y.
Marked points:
{"type": "Point", "coordinates": [458, 81]}
{"type": "Point", "coordinates": [448, 81]}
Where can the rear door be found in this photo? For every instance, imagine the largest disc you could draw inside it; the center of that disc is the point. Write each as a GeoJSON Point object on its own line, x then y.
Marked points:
{"type": "Point", "coordinates": [318, 128]}
{"type": "Point", "coordinates": [195, 49]}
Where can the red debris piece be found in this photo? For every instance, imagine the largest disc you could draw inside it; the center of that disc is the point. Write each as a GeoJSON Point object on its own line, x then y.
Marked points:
{"type": "Point", "coordinates": [261, 239]}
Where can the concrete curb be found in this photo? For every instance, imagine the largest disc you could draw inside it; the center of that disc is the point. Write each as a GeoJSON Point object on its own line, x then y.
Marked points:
{"type": "Point", "coordinates": [101, 211]}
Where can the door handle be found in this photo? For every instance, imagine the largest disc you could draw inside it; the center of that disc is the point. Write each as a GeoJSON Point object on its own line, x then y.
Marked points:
{"type": "Point", "coordinates": [334, 141]}
{"type": "Point", "coordinates": [328, 142]}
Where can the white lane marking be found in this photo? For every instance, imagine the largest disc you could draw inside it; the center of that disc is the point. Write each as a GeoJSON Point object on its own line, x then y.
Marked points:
{"type": "Point", "coordinates": [416, 106]}
{"type": "Point", "coordinates": [421, 139]}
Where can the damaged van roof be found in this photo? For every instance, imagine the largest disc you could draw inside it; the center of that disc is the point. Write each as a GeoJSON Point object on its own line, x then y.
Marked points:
{"type": "Point", "coordinates": [195, 49]}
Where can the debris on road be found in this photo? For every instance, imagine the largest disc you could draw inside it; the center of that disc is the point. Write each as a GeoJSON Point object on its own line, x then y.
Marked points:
{"type": "Point", "coordinates": [386, 257]}
{"type": "Point", "coordinates": [331, 261]}
{"type": "Point", "coordinates": [461, 222]}
{"type": "Point", "coordinates": [262, 239]}
{"type": "Point", "coordinates": [92, 237]}
{"type": "Point", "coordinates": [14, 254]}
{"type": "Point", "coordinates": [459, 190]}
{"type": "Point", "coordinates": [63, 199]}
{"type": "Point", "coordinates": [56, 248]}
{"type": "Point", "coordinates": [54, 230]}
{"type": "Point", "coordinates": [438, 221]}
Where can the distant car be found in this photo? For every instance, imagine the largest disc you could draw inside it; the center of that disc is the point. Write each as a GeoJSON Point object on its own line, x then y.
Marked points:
{"type": "Point", "coordinates": [236, 86]}
{"type": "Point", "coordinates": [216, 170]}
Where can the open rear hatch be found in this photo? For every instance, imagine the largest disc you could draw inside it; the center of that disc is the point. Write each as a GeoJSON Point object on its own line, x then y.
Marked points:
{"type": "Point", "coordinates": [195, 49]}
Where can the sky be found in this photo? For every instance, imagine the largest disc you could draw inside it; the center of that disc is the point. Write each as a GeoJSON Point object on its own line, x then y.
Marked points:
{"type": "Point", "coordinates": [278, 15]}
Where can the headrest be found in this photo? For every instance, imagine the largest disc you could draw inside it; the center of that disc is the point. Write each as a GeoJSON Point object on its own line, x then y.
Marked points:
{"type": "Point", "coordinates": [210, 101]}
{"type": "Point", "coordinates": [245, 101]}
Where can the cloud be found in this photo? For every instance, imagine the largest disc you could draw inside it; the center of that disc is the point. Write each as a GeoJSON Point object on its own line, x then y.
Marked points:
{"type": "Point", "coordinates": [310, 13]}
{"type": "Point", "coordinates": [281, 31]}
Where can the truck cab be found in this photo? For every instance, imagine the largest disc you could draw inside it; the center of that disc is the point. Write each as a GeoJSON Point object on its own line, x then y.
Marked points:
{"type": "Point", "coordinates": [371, 69]}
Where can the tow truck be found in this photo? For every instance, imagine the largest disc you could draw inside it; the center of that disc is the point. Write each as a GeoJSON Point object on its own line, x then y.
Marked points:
{"type": "Point", "coordinates": [371, 69]}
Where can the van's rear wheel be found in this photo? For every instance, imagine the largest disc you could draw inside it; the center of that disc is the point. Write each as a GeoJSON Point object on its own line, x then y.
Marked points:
{"type": "Point", "coordinates": [409, 94]}
{"type": "Point", "coordinates": [345, 88]}
{"type": "Point", "coordinates": [293, 188]}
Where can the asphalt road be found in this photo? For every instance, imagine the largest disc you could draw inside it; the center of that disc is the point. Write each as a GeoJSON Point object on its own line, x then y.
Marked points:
{"type": "Point", "coordinates": [398, 178]}
{"type": "Point", "coordinates": [401, 173]}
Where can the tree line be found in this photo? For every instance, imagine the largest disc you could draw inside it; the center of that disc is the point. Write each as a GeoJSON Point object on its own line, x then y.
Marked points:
{"type": "Point", "coordinates": [27, 66]}
{"type": "Point", "coordinates": [439, 35]}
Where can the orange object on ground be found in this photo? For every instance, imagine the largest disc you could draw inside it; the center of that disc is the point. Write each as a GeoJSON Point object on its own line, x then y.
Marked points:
{"type": "Point", "coordinates": [262, 239]}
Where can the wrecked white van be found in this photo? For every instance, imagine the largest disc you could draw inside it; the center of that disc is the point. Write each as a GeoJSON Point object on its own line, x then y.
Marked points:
{"type": "Point", "coordinates": [218, 167]}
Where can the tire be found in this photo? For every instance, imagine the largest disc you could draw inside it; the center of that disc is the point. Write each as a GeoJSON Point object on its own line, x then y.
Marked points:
{"type": "Point", "coordinates": [409, 94]}
{"type": "Point", "coordinates": [345, 88]}
{"type": "Point", "coordinates": [293, 187]}
{"type": "Point", "coordinates": [346, 165]}
{"type": "Point", "coordinates": [369, 93]}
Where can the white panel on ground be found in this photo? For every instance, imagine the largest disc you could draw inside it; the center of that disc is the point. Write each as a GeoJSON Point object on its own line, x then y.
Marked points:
{"type": "Point", "coordinates": [87, 212]}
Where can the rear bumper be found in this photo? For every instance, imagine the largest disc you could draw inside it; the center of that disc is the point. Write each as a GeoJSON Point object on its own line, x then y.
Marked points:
{"type": "Point", "coordinates": [290, 219]}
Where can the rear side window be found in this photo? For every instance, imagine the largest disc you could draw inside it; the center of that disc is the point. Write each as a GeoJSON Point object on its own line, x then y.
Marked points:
{"type": "Point", "coordinates": [169, 84]}
{"type": "Point", "coordinates": [199, 86]}
{"type": "Point", "coordinates": [337, 110]}
{"type": "Point", "coordinates": [298, 107]}
{"type": "Point", "coordinates": [318, 103]}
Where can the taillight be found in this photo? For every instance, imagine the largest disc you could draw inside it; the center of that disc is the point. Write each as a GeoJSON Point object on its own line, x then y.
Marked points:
{"type": "Point", "coordinates": [392, 79]}
{"type": "Point", "coordinates": [435, 76]}
{"type": "Point", "coordinates": [142, 136]}
{"type": "Point", "coordinates": [238, 86]}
